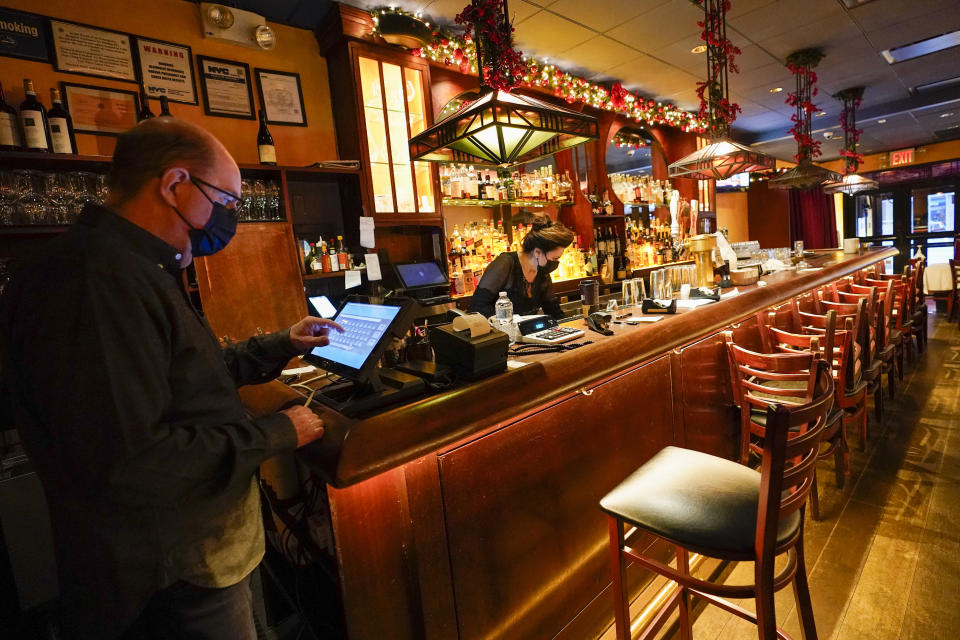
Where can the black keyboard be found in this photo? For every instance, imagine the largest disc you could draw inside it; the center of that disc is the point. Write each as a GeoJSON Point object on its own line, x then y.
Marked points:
{"type": "Point", "coordinates": [554, 335]}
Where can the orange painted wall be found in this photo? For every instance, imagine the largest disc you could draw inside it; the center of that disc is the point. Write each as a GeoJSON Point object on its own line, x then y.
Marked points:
{"type": "Point", "coordinates": [925, 154]}
{"type": "Point", "coordinates": [732, 214]}
{"type": "Point", "coordinates": [179, 21]}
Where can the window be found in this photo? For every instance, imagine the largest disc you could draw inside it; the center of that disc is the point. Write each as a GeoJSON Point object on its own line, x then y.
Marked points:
{"type": "Point", "coordinates": [864, 213]}
{"type": "Point", "coordinates": [393, 111]}
{"type": "Point", "coordinates": [931, 211]}
{"type": "Point", "coordinates": [886, 214]}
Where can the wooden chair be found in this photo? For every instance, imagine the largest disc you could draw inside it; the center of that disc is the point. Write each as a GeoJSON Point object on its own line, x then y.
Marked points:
{"type": "Point", "coordinates": [918, 303]}
{"type": "Point", "coordinates": [722, 509]}
{"type": "Point", "coordinates": [950, 295]}
{"type": "Point", "coordinates": [903, 323]}
{"type": "Point", "coordinates": [851, 388]}
{"type": "Point", "coordinates": [954, 281]}
{"type": "Point", "coordinates": [834, 434]}
{"type": "Point", "coordinates": [863, 312]}
{"type": "Point", "coordinates": [886, 347]}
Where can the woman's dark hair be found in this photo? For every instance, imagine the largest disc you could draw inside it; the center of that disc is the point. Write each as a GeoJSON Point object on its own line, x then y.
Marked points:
{"type": "Point", "coordinates": [153, 146]}
{"type": "Point", "coordinates": [547, 235]}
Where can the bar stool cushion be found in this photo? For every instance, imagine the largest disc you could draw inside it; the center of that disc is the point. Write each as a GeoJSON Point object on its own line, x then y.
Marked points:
{"type": "Point", "coordinates": [704, 503]}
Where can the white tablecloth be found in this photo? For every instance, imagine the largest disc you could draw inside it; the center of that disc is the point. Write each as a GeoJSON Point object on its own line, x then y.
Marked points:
{"type": "Point", "coordinates": [936, 277]}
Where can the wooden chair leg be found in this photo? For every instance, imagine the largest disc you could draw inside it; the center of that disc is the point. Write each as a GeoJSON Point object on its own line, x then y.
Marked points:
{"type": "Point", "coordinates": [618, 566]}
{"type": "Point", "coordinates": [878, 401]}
{"type": "Point", "coordinates": [892, 377]}
{"type": "Point", "coordinates": [766, 607]}
{"type": "Point", "coordinates": [683, 566]}
{"type": "Point", "coordinates": [900, 348]}
{"type": "Point", "coordinates": [814, 497]}
{"type": "Point", "coordinates": [801, 592]}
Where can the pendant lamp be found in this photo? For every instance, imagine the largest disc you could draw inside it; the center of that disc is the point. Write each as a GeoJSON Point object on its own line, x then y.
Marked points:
{"type": "Point", "coordinates": [806, 174]}
{"type": "Point", "coordinates": [851, 183]}
{"type": "Point", "coordinates": [500, 127]}
{"type": "Point", "coordinates": [721, 158]}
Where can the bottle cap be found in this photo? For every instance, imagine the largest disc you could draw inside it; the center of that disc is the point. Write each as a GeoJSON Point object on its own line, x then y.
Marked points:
{"type": "Point", "coordinates": [28, 86]}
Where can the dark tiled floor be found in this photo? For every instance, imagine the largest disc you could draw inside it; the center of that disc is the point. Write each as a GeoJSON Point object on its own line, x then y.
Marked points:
{"type": "Point", "coordinates": [884, 563]}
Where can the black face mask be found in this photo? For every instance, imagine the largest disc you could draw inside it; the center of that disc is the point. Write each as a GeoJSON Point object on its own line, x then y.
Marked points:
{"type": "Point", "coordinates": [216, 234]}
{"type": "Point", "coordinates": [552, 265]}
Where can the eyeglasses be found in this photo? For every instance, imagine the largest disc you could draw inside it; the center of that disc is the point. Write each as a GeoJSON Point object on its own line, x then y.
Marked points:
{"type": "Point", "coordinates": [235, 204]}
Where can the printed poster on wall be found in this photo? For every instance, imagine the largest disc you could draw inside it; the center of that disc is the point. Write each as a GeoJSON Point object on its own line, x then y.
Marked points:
{"type": "Point", "coordinates": [166, 69]}
{"type": "Point", "coordinates": [92, 51]}
{"type": "Point", "coordinates": [22, 35]}
{"type": "Point", "coordinates": [226, 88]}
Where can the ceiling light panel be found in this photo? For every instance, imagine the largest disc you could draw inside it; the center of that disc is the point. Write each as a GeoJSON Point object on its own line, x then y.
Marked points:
{"type": "Point", "coordinates": [921, 48]}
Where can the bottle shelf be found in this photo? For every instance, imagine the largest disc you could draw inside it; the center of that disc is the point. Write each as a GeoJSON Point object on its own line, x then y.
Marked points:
{"type": "Point", "coordinates": [321, 276]}
{"type": "Point", "coordinates": [608, 216]}
{"type": "Point", "coordinates": [34, 229]}
{"type": "Point", "coordinates": [464, 202]}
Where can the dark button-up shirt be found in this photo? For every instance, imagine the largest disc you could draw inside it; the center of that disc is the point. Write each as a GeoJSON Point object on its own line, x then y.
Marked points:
{"type": "Point", "coordinates": [128, 408]}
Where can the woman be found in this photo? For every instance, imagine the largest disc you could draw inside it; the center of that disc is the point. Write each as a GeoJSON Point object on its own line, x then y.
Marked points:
{"type": "Point", "coordinates": [525, 274]}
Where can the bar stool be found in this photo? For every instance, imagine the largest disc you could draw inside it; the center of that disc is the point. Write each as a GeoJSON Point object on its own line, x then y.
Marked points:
{"type": "Point", "coordinates": [919, 302]}
{"type": "Point", "coordinates": [882, 303]}
{"type": "Point", "coordinates": [902, 329]}
{"type": "Point", "coordinates": [725, 510]}
{"type": "Point", "coordinates": [834, 433]}
{"type": "Point", "coordinates": [864, 327]}
{"type": "Point", "coordinates": [954, 302]}
{"type": "Point", "coordinates": [851, 389]}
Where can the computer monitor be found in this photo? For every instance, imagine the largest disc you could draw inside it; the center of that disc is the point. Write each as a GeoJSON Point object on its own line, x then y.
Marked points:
{"type": "Point", "coordinates": [367, 329]}
{"type": "Point", "coordinates": [417, 275]}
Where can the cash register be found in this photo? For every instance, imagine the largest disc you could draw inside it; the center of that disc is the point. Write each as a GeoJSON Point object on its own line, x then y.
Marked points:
{"type": "Point", "coordinates": [355, 354]}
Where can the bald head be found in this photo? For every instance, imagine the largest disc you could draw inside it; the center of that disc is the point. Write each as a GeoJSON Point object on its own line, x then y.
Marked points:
{"type": "Point", "coordinates": [147, 150]}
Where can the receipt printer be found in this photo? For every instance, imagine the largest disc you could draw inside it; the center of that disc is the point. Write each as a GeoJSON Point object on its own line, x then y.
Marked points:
{"type": "Point", "coordinates": [470, 358]}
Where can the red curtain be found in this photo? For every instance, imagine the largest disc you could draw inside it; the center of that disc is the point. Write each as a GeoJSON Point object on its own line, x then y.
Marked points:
{"type": "Point", "coordinates": [812, 218]}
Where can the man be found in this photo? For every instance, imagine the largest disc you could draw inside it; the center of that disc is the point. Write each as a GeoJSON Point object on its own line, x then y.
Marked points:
{"type": "Point", "coordinates": [128, 407]}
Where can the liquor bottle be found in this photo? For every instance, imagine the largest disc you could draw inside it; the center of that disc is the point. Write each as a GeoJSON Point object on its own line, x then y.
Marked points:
{"type": "Point", "coordinates": [61, 126]}
{"type": "Point", "coordinates": [9, 129]}
{"type": "Point", "coordinates": [165, 107]}
{"type": "Point", "coordinates": [33, 119]}
{"type": "Point", "coordinates": [481, 187]}
{"type": "Point", "coordinates": [144, 113]}
{"type": "Point", "coordinates": [343, 258]}
{"type": "Point", "coordinates": [266, 151]}
{"type": "Point", "coordinates": [309, 259]}
{"type": "Point", "coordinates": [618, 247]}
{"type": "Point", "coordinates": [324, 257]}
{"type": "Point", "coordinates": [334, 257]}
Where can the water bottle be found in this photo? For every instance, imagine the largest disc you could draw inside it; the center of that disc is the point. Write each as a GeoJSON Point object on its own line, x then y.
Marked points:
{"type": "Point", "coordinates": [504, 309]}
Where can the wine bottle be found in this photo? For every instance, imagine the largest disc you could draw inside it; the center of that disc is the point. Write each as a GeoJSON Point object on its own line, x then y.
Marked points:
{"type": "Point", "coordinates": [165, 107]}
{"type": "Point", "coordinates": [265, 148]}
{"type": "Point", "coordinates": [144, 112]}
{"type": "Point", "coordinates": [334, 259]}
{"type": "Point", "coordinates": [33, 119]}
{"type": "Point", "coordinates": [342, 256]}
{"type": "Point", "coordinates": [61, 126]}
{"type": "Point", "coordinates": [9, 129]}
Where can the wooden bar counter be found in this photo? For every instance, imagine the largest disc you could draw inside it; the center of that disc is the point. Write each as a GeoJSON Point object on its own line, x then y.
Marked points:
{"type": "Point", "coordinates": [473, 513]}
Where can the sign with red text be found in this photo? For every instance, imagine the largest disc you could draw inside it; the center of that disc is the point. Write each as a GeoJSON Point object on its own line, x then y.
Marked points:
{"type": "Point", "coordinates": [166, 69]}
{"type": "Point", "coordinates": [902, 157]}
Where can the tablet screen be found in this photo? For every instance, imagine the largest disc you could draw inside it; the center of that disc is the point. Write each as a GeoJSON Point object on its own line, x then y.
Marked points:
{"type": "Point", "coordinates": [323, 306]}
{"type": "Point", "coordinates": [420, 274]}
{"type": "Point", "coordinates": [364, 326]}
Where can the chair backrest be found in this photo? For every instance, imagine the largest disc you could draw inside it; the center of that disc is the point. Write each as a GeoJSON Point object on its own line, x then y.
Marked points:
{"type": "Point", "coordinates": [761, 378]}
{"type": "Point", "coordinates": [790, 447]}
{"type": "Point", "coordinates": [841, 344]}
{"type": "Point", "coordinates": [955, 272]}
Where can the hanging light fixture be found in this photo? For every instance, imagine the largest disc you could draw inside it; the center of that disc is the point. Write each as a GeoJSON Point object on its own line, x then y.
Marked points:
{"type": "Point", "coordinates": [851, 183]}
{"type": "Point", "coordinates": [721, 158]}
{"type": "Point", "coordinates": [806, 174]}
{"type": "Point", "coordinates": [500, 127]}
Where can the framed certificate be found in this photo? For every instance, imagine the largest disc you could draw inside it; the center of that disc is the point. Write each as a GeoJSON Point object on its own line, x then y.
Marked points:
{"type": "Point", "coordinates": [92, 51]}
{"type": "Point", "coordinates": [166, 69]}
{"type": "Point", "coordinates": [100, 110]}
{"type": "Point", "coordinates": [226, 88]}
{"type": "Point", "coordinates": [23, 35]}
{"type": "Point", "coordinates": [281, 97]}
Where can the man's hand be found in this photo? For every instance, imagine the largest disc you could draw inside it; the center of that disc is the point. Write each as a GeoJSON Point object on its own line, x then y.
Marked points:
{"type": "Point", "coordinates": [312, 332]}
{"type": "Point", "coordinates": [309, 426]}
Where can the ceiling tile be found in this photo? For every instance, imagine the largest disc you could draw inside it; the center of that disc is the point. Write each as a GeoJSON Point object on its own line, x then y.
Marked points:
{"type": "Point", "coordinates": [785, 17]}
{"type": "Point", "coordinates": [665, 24]}
{"type": "Point", "coordinates": [913, 27]}
{"type": "Point", "coordinates": [600, 53]}
{"type": "Point", "coordinates": [601, 15]}
{"type": "Point", "coordinates": [877, 15]}
{"type": "Point", "coordinates": [652, 78]}
{"type": "Point", "coordinates": [831, 35]}
{"type": "Point", "coordinates": [549, 35]}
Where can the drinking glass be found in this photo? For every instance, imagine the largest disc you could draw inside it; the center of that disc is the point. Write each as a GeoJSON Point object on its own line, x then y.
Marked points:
{"type": "Point", "coordinates": [690, 274]}
{"type": "Point", "coordinates": [259, 205]}
{"type": "Point", "coordinates": [272, 194]}
{"type": "Point", "coordinates": [60, 198]}
{"type": "Point", "coordinates": [629, 296]}
{"type": "Point", "coordinates": [101, 187]}
{"type": "Point", "coordinates": [660, 284]}
{"type": "Point", "coordinates": [589, 296]}
{"type": "Point", "coordinates": [84, 189]}
{"type": "Point", "coordinates": [8, 198]}
{"type": "Point", "coordinates": [31, 204]}
{"type": "Point", "coordinates": [246, 198]}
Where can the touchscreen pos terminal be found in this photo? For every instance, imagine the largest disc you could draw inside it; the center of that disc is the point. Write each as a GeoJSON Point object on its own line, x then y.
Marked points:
{"type": "Point", "coordinates": [355, 354]}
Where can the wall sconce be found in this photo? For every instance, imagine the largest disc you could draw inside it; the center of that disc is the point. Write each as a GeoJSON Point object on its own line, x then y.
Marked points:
{"type": "Point", "coordinates": [237, 26]}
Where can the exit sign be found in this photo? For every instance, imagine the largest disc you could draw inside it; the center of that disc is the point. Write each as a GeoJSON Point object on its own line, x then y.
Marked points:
{"type": "Point", "coordinates": [898, 158]}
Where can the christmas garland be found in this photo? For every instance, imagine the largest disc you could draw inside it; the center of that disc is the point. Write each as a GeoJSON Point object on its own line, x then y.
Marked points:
{"type": "Point", "coordinates": [851, 135]}
{"type": "Point", "coordinates": [628, 141]}
{"type": "Point", "coordinates": [485, 21]}
{"type": "Point", "coordinates": [715, 106]}
{"type": "Point", "coordinates": [460, 52]}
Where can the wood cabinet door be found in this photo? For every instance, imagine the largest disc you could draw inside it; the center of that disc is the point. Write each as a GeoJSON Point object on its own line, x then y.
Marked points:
{"type": "Point", "coordinates": [254, 283]}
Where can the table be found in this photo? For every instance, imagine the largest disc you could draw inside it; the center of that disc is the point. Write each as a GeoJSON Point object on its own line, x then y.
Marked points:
{"type": "Point", "coordinates": [937, 277]}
